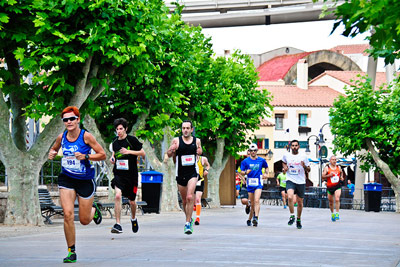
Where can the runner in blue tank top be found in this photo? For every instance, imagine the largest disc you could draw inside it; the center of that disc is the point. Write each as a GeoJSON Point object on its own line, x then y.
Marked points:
{"type": "Point", "coordinates": [77, 175]}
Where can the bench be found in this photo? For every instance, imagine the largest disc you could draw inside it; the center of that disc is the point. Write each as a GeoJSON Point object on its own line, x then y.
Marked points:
{"type": "Point", "coordinates": [127, 206]}
{"type": "Point", "coordinates": [108, 207]}
{"type": "Point", "coordinates": [47, 206]}
{"type": "Point", "coordinates": [205, 202]}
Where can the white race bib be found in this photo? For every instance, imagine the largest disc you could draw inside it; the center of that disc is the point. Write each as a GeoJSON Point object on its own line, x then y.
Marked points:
{"type": "Point", "coordinates": [187, 160]}
{"type": "Point", "coordinates": [122, 164]}
{"type": "Point", "coordinates": [294, 171]}
{"type": "Point", "coordinates": [71, 163]}
{"type": "Point", "coordinates": [335, 179]}
{"type": "Point", "coordinates": [252, 181]}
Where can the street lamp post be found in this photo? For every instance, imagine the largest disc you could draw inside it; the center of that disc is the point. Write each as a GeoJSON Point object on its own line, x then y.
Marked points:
{"type": "Point", "coordinates": [317, 143]}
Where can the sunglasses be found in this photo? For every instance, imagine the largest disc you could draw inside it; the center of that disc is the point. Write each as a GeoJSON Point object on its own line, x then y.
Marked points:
{"type": "Point", "coordinates": [69, 119]}
{"type": "Point", "coordinates": [251, 150]}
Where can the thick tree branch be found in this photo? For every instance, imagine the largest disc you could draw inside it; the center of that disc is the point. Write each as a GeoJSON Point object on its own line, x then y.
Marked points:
{"type": "Point", "coordinates": [6, 142]}
{"type": "Point", "coordinates": [98, 90]}
{"type": "Point", "coordinates": [83, 87]}
{"type": "Point", "coordinates": [393, 179]}
{"type": "Point", "coordinates": [140, 123]}
{"type": "Point", "coordinates": [16, 102]}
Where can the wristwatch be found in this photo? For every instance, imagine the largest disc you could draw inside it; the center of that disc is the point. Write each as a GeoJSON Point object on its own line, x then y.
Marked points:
{"type": "Point", "coordinates": [87, 156]}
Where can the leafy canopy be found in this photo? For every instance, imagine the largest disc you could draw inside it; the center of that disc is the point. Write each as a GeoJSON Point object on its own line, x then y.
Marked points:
{"type": "Point", "coordinates": [52, 41]}
{"type": "Point", "coordinates": [360, 16]}
{"type": "Point", "coordinates": [365, 113]}
{"type": "Point", "coordinates": [227, 104]}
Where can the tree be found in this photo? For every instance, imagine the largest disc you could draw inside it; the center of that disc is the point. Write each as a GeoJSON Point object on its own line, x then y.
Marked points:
{"type": "Point", "coordinates": [62, 53]}
{"type": "Point", "coordinates": [155, 108]}
{"type": "Point", "coordinates": [369, 119]}
{"type": "Point", "coordinates": [225, 108]}
{"type": "Point", "coordinates": [360, 16]}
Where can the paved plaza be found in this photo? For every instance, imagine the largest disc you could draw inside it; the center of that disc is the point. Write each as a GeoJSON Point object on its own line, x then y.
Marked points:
{"type": "Point", "coordinates": [223, 239]}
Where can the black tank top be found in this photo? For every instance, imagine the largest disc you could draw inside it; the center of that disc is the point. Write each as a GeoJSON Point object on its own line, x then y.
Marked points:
{"type": "Point", "coordinates": [186, 158]}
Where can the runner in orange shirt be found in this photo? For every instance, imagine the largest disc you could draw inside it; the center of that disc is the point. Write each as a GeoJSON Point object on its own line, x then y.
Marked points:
{"type": "Point", "coordinates": [333, 174]}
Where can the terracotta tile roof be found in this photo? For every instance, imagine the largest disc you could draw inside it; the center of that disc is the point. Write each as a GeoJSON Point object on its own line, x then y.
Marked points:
{"type": "Point", "coordinates": [265, 123]}
{"type": "Point", "coordinates": [351, 49]}
{"type": "Point", "coordinates": [276, 68]}
{"type": "Point", "coordinates": [292, 96]}
{"type": "Point", "coordinates": [347, 76]}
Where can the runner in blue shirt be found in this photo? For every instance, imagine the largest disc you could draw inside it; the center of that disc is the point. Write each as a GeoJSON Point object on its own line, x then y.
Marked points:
{"type": "Point", "coordinates": [252, 167]}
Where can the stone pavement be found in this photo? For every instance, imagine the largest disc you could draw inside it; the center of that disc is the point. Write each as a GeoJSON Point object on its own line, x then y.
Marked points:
{"type": "Point", "coordinates": [223, 239]}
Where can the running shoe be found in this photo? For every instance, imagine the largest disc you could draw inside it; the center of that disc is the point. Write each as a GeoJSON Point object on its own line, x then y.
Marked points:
{"type": "Point", "coordinates": [116, 229]}
{"type": "Point", "coordinates": [248, 223]}
{"type": "Point", "coordinates": [247, 209]}
{"type": "Point", "coordinates": [291, 220]}
{"type": "Point", "coordinates": [255, 221]}
{"type": "Point", "coordinates": [298, 224]}
{"type": "Point", "coordinates": [197, 221]}
{"type": "Point", "coordinates": [284, 206]}
{"type": "Point", "coordinates": [135, 225]}
{"type": "Point", "coordinates": [70, 258]}
{"type": "Point", "coordinates": [333, 217]}
{"type": "Point", "coordinates": [337, 216]}
{"type": "Point", "coordinates": [194, 207]}
{"type": "Point", "coordinates": [188, 229]}
{"type": "Point", "coordinates": [97, 214]}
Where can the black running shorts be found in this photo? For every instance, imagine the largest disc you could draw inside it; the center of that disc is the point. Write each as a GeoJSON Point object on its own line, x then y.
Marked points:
{"type": "Point", "coordinates": [84, 188]}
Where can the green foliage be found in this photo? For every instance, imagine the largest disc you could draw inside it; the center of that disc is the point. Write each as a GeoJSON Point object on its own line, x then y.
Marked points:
{"type": "Point", "coordinates": [176, 52]}
{"type": "Point", "coordinates": [227, 103]}
{"type": "Point", "coordinates": [52, 40]}
{"type": "Point", "coordinates": [368, 114]}
{"type": "Point", "coordinates": [360, 16]}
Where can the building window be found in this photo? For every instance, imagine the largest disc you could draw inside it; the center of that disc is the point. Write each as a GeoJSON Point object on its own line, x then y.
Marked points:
{"type": "Point", "coordinates": [303, 120]}
{"type": "Point", "coordinates": [266, 143]}
{"type": "Point", "coordinates": [279, 121]}
{"type": "Point", "coordinates": [259, 143]}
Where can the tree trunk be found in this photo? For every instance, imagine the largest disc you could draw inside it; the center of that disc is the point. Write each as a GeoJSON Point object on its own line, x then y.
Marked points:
{"type": "Point", "coordinates": [359, 179]}
{"type": "Point", "coordinates": [90, 124]}
{"type": "Point", "coordinates": [393, 179]}
{"type": "Point", "coordinates": [169, 195]}
{"type": "Point", "coordinates": [23, 198]}
{"type": "Point", "coordinates": [215, 172]}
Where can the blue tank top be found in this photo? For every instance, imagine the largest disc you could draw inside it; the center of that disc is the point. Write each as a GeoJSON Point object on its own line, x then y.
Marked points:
{"type": "Point", "coordinates": [72, 167]}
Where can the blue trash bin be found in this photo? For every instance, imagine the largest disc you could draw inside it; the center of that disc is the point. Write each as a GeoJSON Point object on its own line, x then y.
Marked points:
{"type": "Point", "coordinates": [372, 196]}
{"type": "Point", "coordinates": [151, 191]}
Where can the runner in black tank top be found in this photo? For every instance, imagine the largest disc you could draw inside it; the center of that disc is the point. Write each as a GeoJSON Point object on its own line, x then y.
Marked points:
{"type": "Point", "coordinates": [186, 161]}
{"type": "Point", "coordinates": [185, 149]}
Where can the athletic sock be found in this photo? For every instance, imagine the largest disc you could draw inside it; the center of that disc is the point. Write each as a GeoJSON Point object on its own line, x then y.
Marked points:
{"type": "Point", "coordinates": [71, 248]}
{"type": "Point", "coordinates": [133, 219]}
{"type": "Point", "coordinates": [198, 210]}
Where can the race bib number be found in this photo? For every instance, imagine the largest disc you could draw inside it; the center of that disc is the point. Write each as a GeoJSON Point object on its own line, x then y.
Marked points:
{"type": "Point", "coordinates": [294, 171]}
{"type": "Point", "coordinates": [71, 163]}
{"type": "Point", "coordinates": [187, 160]}
{"type": "Point", "coordinates": [335, 179]}
{"type": "Point", "coordinates": [252, 181]}
{"type": "Point", "coordinates": [122, 164]}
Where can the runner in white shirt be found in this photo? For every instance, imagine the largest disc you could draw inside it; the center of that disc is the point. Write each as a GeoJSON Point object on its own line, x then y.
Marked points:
{"type": "Point", "coordinates": [296, 166]}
